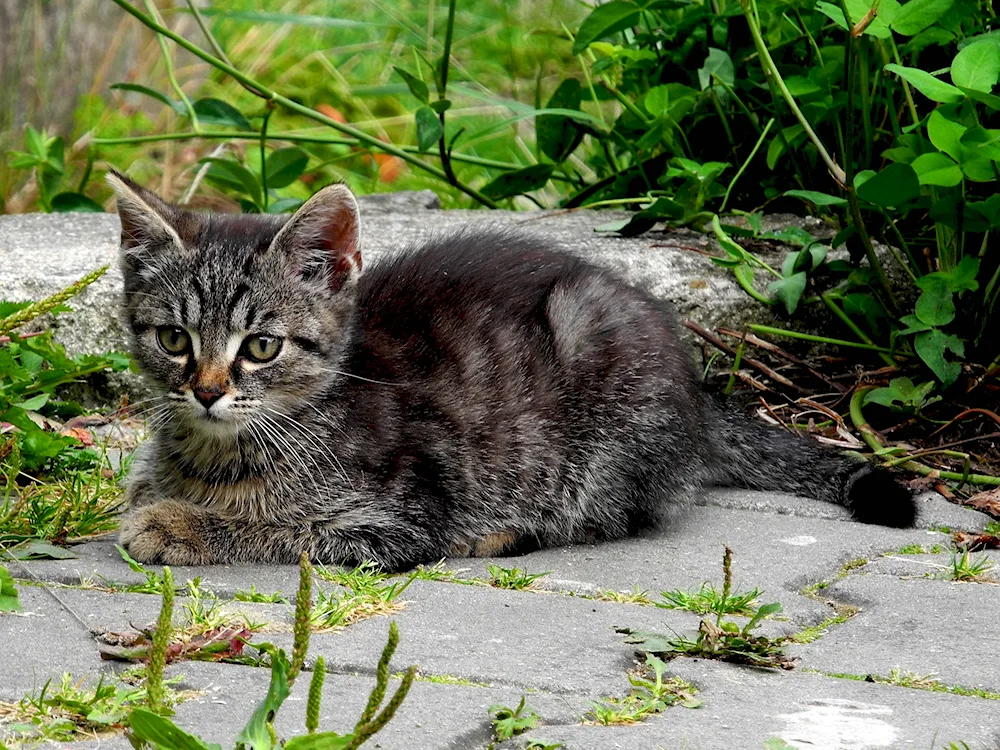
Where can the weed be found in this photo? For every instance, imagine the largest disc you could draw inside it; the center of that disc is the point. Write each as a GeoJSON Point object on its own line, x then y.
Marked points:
{"type": "Point", "coordinates": [69, 508]}
{"type": "Point", "coordinates": [912, 549]}
{"type": "Point", "coordinates": [152, 585]}
{"type": "Point", "coordinates": [446, 679]}
{"type": "Point", "coordinates": [968, 568]}
{"type": "Point", "coordinates": [647, 697]}
{"type": "Point", "coordinates": [510, 722]}
{"type": "Point", "coordinates": [437, 572]}
{"type": "Point", "coordinates": [542, 745]}
{"type": "Point", "coordinates": [719, 639]}
{"type": "Point", "coordinates": [709, 600]}
{"type": "Point", "coordinates": [367, 593]}
{"type": "Point", "coordinates": [71, 710]}
{"type": "Point", "coordinates": [253, 595]}
{"type": "Point", "coordinates": [635, 596]}
{"type": "Point", "coordinates": [992, 528]}
{"type": "Point", "coordinates": [513, 578]}
{"type": "Point", "coordinates": [808, 634]}
{"type": "Point", "coordinates": [33, 369]}
{"type": "Point", "coordinates": [146, 726]}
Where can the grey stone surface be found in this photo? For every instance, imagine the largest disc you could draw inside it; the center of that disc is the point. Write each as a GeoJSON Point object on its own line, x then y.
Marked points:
{"type": "Point", "coordinates": [42, 253]}
{"type": "Point", "coordinates": [743, 708]}
{"type": "Point", "coordinates": [924, 626]}
{"type": "Point", "coordinates": [780, 557]}
{"type": "Point", "coordinates": [560, 649]}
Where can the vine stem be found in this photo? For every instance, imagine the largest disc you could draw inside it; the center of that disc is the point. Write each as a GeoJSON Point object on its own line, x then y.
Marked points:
{"type": "Point", "coordinates": [154, 14]}
{"type": "Point", "coordinates": [813, 337]}
{"type": "Point", "coordinates": [869, 436]}
{"type": "Point", "coordinates": [442, 94]}
{"type": "Point", "coordinates": [772, 72]}
{"type": "Point", "coordinates": [745, 164]}
{"type": "Point", "coordinates": [278, 99]}
{"type": "Point", "coordinates": [300, 138]}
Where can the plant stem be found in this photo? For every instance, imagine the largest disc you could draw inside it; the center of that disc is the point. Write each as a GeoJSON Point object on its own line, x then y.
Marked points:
{"type": "Point", "coordinates": [294, 106]}
{"type": "Point", "coordinates": [868, 435]}
{"type": "Point", "coordinates": [812, 337]}
{"type": "Point", "coordinates": [746, 163]}
{"type": "Point", "coordinates": [443, 150]}
{"type": "Point", "coordinates": [263, 156]}
{"type": "Point", "coordinates": [846, 320]}
{"type": "Point", "coordinates": [170, 68]}
{"type": "Point", "coordinates": [771, 70]}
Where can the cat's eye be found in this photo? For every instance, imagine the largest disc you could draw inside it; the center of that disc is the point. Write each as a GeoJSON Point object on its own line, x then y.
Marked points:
{"type": "Point", "coordinates": [173, 340]}
{"type": "Point", "coordinates": [259, 348]}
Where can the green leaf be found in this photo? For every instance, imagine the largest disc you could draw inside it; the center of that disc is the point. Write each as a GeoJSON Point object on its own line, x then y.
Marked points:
{"type": "Point", "coordinates": [917, 15]}
{"type": "Point", "coordinates": [319, 741]}
{"type": "Point", "coordinates": [982, 142]}
{"type": "Point", "coordinates": [657, 101]}
{"type": "Point", "coordinates": [718, 63]}
{"type": "Point", "coordinates": [895, 185]}
{"type": "Point", "coordinates": [35, 143]}
{"type": "Point", "coordinates": [557, 137]}
{"type": "Point", "coordinates": [961, 278]}
{"type": "Point", "coordinates": [163, 733]}
{"type": "Point", "coordinates": [285, 166]}
{"type": "Point", "coordinates": [218, 112]}
{"type": "Point", "coordinates": [518, 182]}
{"type": "Point", "coordinates": [977, 66]}
{"type": "Point", "coordinates": [789, 290]}
{"type": "Point", "coordinates": [936, 305]}
{"type": "Point", "coordinates": [604, 21]}
{"type": "Point", "coordinates": [255, 734]}
{"type": "Point", "coordinates": [78, 202]}
{"type": "Point", "coordinates": [234, 176]}
{"type": "Point", "coordinates": [9, 601]}
{"type": "Point", "coordinates": [903, 393]}
{"type": "Point", "coordinates": [934, 89]}
{"type": "Point", "coordinates": [936, 169]}
{"type": "Point", "coordinates": [931, 347]}
{"type": "Point", "coordinates": [175, 105]}
{"type": "Point", "coordinates": [34, 403]}
{"type": "Point", "coordinates": [284, 205]}
{"type": "Point", "coordinates": [817, 199]}
{"type": "Point", "coordinates": [429, 129]}
{"type": "Point", "coordinates": [440, 105]}
{"type": "Point", "coordinates": [417, 87]}
{"type": "Point", "coordinates": [946, 134]}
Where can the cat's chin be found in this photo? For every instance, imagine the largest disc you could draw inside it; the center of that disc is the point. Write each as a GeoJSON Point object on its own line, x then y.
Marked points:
{"type": "Point", "coordinates": [215, 428]}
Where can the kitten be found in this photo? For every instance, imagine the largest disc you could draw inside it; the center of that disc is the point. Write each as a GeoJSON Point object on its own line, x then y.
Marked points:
{"type": "Point", "coordinates": [481, 394]}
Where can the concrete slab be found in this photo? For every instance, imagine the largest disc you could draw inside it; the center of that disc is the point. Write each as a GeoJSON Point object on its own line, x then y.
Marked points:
{"type": "Point", "coordinates": [743, 708]}
{"type": "Point", "coordinates": [928, 627]}
{"type": "Point", "coordinates": [779, 554]}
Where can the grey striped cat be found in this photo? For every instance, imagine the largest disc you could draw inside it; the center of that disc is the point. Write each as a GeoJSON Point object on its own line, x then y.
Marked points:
{"type": "Point", "coordinates": [479, 395]}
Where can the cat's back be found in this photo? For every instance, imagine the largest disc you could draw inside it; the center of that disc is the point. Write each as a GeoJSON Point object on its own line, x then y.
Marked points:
{"type": "Point", "coordinates": [497, 270]}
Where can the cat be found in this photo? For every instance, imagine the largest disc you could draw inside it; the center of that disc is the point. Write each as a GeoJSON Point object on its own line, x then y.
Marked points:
{"type": "Point", "coordinates": [479, 395]}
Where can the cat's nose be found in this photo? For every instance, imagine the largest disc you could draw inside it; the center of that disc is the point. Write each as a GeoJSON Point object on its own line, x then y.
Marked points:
{"type": "Point", "coordinates": [208, 396]}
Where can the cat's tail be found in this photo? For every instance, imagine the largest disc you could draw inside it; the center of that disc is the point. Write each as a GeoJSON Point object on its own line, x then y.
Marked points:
{"type": "Point", "coordinates": [748, 453]}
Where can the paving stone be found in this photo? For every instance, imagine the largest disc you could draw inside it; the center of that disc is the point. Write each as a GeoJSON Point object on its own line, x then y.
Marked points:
{"type": "Point", "coordinates": [779, 554]}
{"type": "Point", "coordinates": [432, 716]}
{"type": "Point", "coordinates": [513, 638]}
{"type": "Point", "coordinates": [745, 707]}
{"type": "Point", "coordinates": [923, 626]}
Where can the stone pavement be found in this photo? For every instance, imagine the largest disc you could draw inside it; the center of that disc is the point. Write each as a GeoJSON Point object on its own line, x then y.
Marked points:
{"type": "Point", "coordinates": [478, 645]}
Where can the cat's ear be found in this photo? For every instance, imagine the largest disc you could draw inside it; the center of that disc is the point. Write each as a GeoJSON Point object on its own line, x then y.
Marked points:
{"type": "Point", "coordinates": [322, 238]}
{"type": "Point", "coordinates": [145, 217]}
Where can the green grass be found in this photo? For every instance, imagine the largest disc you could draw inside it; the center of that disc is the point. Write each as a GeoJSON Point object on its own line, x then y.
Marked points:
{"type": "Point", "coordinates": [71, 507]}
{"type": "Point", "coordinates": [968, 568]}
{"type": "Point", "coordinates": [707, 600]}
{"type": "Point", "coordinates": [364, 592]}
{"type": "Point", "coordinates": [907, 679]}
{"type": "Point", "coordinates": [513, 578]}
{"type": "Point", "coordinates": [502, 53]}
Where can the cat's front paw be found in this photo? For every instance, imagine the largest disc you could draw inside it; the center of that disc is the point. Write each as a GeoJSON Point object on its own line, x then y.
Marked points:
{"type": "Point", "coordinates": [167, 532]}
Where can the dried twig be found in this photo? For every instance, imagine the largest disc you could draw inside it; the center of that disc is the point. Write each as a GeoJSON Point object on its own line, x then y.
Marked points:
{"type": "Point", "coordinates": [755, 363]}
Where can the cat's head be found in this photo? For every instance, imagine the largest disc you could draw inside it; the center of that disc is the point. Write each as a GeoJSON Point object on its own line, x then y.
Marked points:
{"type": "Point", "coordinates": [238, 318]}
